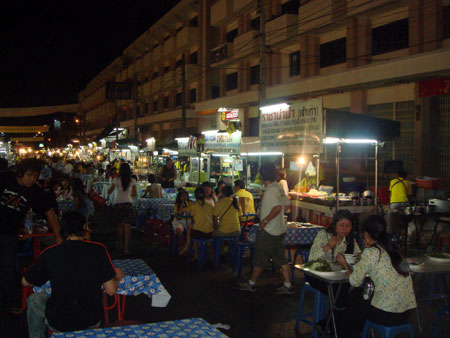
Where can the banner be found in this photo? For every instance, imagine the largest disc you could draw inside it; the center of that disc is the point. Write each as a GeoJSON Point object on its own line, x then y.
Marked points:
{"type": "Point", "coordinates": [436, 87]}
{"type": "Point", "coordinates": [223, 142]}
{"type": "Point", "coordinates": [294, 129]}
{"type": "Point", "coordinates": [187, 146]}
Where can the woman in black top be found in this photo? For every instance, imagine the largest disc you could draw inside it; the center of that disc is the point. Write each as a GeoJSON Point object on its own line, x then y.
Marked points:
{"type": "Point", "coordinates": [168, 174]}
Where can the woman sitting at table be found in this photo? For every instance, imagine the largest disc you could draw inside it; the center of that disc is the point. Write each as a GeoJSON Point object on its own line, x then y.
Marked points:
{"type": "Point", "coordinates": [154, 189]}
{"type": "Point", "coordinates": [181, 210]}
{"type": "Point", "coordinates": [393, 296]}
{"type": "Point", "coordinates": [226, 215]}
{"type": "Point", "coordinates": [202, 226]}
{"type": "Point", "coordinates": [338, 238]}
{"type": "Point", "coordinates": [64, 190]}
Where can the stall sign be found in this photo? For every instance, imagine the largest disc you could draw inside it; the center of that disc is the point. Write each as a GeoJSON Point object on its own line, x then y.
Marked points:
{"type": "Point", "coordinates": [295, 128]}
{"type": "Point", "coordinates": [239, 164]}
{"type": "Point", "coordinates": [435, 87]}
{"type": "Point", "coordinates": [187, 146]}
{"type": "Point", "coordinates": [229, 114]}
{"type": "Point", "coordinates": [223, 142]}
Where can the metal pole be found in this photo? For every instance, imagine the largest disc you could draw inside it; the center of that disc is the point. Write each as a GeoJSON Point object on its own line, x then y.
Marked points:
{"type": "Point", "coordinates": [282, 160]}
{"type": "Point", "coordinates": [338, 149]}
{"type": "Point", "coordinates": [318, 172]}
{"type": "Point", "coordinates": [376, 177]}
{"type": "Point", "coordinates": [262, 53]}
{"type": "Point", "coordinates": [199, 167]}
{"type": "Point", "coordinates": [136, 107]}
{"type": "Point", "coordinates": [183, 95]}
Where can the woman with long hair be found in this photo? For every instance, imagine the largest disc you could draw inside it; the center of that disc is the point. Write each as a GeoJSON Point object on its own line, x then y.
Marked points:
{"type": "Point", "coordinates": [202, 226]}
{"type": "Point", "coordinates": [80, 197]}
{"type": "Point", "coordinates": [181, 210]}
{"type": "Point", "coordinates": [393, 295]}
{"type": "Point", "coordinates": [226, 214]}
{"type": "Point", "coordinates": [123, 208]}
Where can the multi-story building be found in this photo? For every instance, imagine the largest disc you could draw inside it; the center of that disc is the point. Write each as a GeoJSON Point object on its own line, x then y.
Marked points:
{"type": "Point", "coordinates": [384, 58]}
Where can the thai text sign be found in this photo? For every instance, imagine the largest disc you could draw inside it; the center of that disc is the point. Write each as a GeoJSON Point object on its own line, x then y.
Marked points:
{"type": "Point", "coordinates": [292, 129]}
{"type": "Point", "coordinates": [435, 87]}
{"type": "Point", "coordinates": [223, 142]}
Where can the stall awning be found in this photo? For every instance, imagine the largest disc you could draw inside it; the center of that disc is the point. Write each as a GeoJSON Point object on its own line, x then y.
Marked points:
{"type": "Point", "coordinates": [105, 133]}
{"type": "Point", "coordinates": [342, 124]}
{"type": "Point", "coordinates": [126, 142]}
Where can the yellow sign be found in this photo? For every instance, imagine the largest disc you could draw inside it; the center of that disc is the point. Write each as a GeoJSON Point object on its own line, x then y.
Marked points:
{"type": "Point", "coordinates": [24, 129]}
{"type": "Point", "coordinates": [27, 139]}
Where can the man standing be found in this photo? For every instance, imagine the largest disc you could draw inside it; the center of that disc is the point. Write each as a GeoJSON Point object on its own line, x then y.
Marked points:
{"type": "Point", "coordinates": [401, 192]}
{"type": "Point", "coordinates": [77, 270]}
{"type": "Point", "coordinates": [269, 244]}
{"type": "Point", "coordinates": [19, 193]}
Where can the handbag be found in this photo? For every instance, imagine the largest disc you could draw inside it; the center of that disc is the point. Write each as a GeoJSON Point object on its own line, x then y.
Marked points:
{"type": "Point", "coordinates": [368, 288]}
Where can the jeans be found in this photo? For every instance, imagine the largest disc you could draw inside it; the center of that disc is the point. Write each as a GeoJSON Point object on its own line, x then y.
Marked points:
{"type": "Point", "coordinates": [8, 269]}
{"type": "Point", "coordinates": [37, 322]}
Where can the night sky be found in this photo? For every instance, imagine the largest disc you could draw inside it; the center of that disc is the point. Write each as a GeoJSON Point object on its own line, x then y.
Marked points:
{"type": "Point", "coordinates": [51, 49]}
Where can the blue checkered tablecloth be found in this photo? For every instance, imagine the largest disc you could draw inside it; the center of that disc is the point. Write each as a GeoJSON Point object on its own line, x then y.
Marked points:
{"type": "Point", "coordinates": [185, 328]}
{"type": "Point", "coordinates": [66, 205]}
{"type": "Point", "coordinates": [139, 278]}
{"type": "Point", "coordinates": [295, 235]}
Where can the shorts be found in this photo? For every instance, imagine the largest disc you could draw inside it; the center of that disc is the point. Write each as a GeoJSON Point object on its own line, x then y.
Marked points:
{"type": "Point", "coordinates": [267, 248]}
{"type": "Point", "coordinates": [201, 234]}
{"type": "Point", "coordinates": [218, 233]}
{"type": "Point", "coordinates": [123, 213]}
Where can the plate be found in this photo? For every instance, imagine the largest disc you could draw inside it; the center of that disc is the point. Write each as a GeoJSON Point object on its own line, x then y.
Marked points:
{"type": "Point", "coordinates": [333, 275]}
{"type": "Point", "coordinates": [439, 260]}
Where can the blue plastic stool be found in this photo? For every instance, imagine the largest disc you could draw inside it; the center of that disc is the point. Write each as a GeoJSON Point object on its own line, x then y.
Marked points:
{"type": "Point", "coordinates": [444, 309]}
{"type": "Point", "coordinates": [304, 252]}
{"type": "Point", "coordinates": [218, 243]}
{"type": "Point", "coordinates": [320, 308]}
{"type": "Point", "coordinates": [388, 331]}
{"type": "Point", "coordinates": [241, 247]}
{"type": "Point", "coordinates": [202, 247]}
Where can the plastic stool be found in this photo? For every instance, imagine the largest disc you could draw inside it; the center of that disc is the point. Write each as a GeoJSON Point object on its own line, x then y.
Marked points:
{"type": "Point", "coordinates": [218, 243]}
{"type": "Point", "coordinates": [150, 227]}
{"type": "Point", "coordinates": [174, 241]}
{"type": "Point", "coordinates": [304, 252]}
{"type": "Point", "coordinates": [202, 247]}
{"type": "Point", "coordinates": [388, 331]}
{"type": "Point", "coordinates": [320, 308]}
{"type": "Point", "coordinates": [444, 309]}
{"type": "Point", "coordinates": [241, 247]}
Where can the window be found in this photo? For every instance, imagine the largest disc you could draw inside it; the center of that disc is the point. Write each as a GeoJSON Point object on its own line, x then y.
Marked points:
{"type": "Point", "coordinates": [155, 106]}
{"type": "Point", "coordinates": [231, 35]}
{"type": "Point", "coordinates": [146, 108]}
{"type": "Point", "coordinates": [179, 63]}
{"type": "Point", "coordinates": [193, 95]}
{"type": "Point", "coordinates": [290, 7]}
{"type": "Point", "coordinates": [333, 53]}
{"type": "Point", "coordinates": [194, 22]}
{"type": "Point", "coordinates": [254, 24]}
{"type": "Point", "coordinates": [232, 81]}
{"type": "Point", "coordinates": [178, 100]}
{"type": "Point", "coordinates": [166, 102]}
{"type": "Point", "coordinates": [166, 69]}
{"type": "Point", "coordinates": [294, 63]}
{"type": "Point", "coordinates": [193, 58]}
{"type": "Point", "coordinates": [254, 75]}
{"type": "Point", "coordinates": [446, 30]}
{"type": "Point", "coordinates": [390, 37]}
{"type": "Point", "coordinates": [254, 126]}
{"type": "Point", "coordinates": [215, 92]}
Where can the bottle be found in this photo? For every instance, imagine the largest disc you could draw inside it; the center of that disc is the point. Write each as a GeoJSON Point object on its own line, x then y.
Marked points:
{"type": "Point", "coordinates": [29, 221]}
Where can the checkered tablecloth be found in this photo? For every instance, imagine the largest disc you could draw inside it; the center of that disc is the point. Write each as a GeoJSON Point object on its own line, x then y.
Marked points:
{"type": "Point", "coordinates": [66, 205]}
{"type": "Point", "coordinates": [294, 235]}
{"type": "Point", "coordinates": [185, 328]}
{"type": "Point", "coordinates": [139, 278]}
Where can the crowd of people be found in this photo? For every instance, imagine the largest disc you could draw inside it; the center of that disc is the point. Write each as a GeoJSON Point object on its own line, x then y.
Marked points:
{"type": "Point", "coordinates": [75, 301]}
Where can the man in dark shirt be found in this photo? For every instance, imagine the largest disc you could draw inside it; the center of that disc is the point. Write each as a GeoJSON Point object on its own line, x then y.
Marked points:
{"type": "Point", "coordinates": [18, 193]}
{"type": "Point", "coordinates": [77, 270]}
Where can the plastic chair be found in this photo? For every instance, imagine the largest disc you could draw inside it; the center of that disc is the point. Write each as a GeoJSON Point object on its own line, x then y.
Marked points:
{"type": "Point", "coordinates": [241, 247]}
{"type": "Point", "coordinates": [218, 244]}
{"type": "Point", "coordinates": [445, 309]}
{"type": "Point", "coordinates": [202, 247]}
{"type": "Point", "coordinates": [151, 223]}
{"type": "Point", "coordinates": [302, 251]}
{"type": "Point", "coordinates": [388, 331]}
{"type": "Point", "coordinates": [320, 309]}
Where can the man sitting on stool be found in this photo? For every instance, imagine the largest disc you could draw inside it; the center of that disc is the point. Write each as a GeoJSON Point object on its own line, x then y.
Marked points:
{"type": "Point", "coordinates": [77, 270]}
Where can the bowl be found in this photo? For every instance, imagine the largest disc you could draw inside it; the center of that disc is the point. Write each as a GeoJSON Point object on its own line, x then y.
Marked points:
{"type": "Point", "coordinates": [350, 258]}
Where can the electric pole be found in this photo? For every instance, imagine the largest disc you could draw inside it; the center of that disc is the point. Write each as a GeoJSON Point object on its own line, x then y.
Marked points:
{"type": "Point", "coordinates": [262, 54]}
{"type": "Point", "coordinates": [183, 96]}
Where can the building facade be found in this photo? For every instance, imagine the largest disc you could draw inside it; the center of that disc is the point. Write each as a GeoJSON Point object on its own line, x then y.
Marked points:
{"type": "Point", "coordinates": [384, 58]}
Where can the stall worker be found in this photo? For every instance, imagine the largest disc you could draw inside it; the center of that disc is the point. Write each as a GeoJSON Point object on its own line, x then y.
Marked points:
{"type": "Point", "coordinates": [77, 271]}
{"type": "Point", "coordinates": [245, 198]}
{"type": "Point", "coordinates": [168, 174]}
{"type": "Point", "coordinates": [400, 190]}
{"type": "Point", "coordinates": [393, 296]}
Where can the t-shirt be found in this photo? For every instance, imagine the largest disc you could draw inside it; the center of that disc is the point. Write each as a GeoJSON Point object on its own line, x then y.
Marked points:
{"type": "Point", "coordinates": [76, 270]}
{"type": "Point", "coordinates": [285, 187]}
{"type": "Point", "coordinates": [16, 200]}
{"type": "Point", "coordinates": [248, 200]}
{"type": "Point", "coordinates": [228, 215]}
{"type": "Point", "coordinates": [274, 196]}
{"type": "Point", "coordinates": [154, 190]}
{"type": "Point", "coordinates": [202, 215]}
{"type": "Point", "coordinates": [400, 189]}
{"type": "Point", "coordinates": [184, 207]}
{"type": "Point", "coordinates": [123, 196]}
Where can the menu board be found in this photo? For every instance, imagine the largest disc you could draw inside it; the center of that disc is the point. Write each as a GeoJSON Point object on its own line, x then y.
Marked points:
{"type": "Point", "coordinates": [295, 128]}
{"type": "Point", "coordinates": [224, 143]}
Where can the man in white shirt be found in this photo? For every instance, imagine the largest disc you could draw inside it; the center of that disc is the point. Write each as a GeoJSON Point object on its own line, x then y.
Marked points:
{"type": "Point", "coordinates": [269, 245]}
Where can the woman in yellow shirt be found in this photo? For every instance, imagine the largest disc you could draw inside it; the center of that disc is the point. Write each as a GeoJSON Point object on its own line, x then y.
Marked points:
{"type": "Point", "coordinates": [226, 214]}
{"type": "Point", "coordinates": [181, 211]}
{"type": "Point", "coordinates": [202, 226]}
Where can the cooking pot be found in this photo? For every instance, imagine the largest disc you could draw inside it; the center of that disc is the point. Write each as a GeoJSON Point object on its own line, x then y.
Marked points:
{"type": "Point", "coordinates": [368, 194]}
{"type": "Point", "coordinates": [354, 194]}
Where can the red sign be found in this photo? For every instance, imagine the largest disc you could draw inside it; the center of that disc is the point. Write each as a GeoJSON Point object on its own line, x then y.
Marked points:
{"type": "Point", "coordinates": [436, 87]}
{"type": "Point", "coordinates": [230, 115]}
